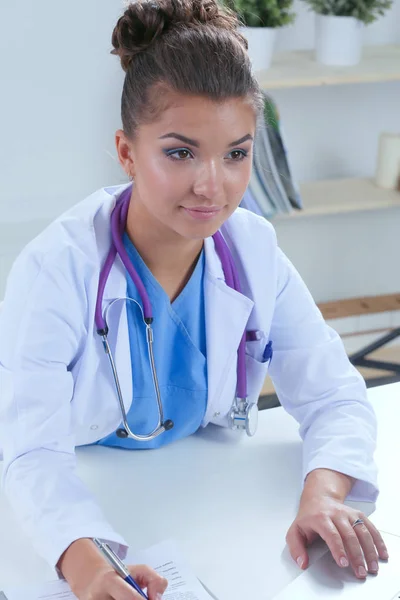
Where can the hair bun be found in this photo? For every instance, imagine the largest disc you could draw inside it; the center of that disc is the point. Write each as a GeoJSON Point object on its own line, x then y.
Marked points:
{"type": "Point", "coordinates": [146, 20]}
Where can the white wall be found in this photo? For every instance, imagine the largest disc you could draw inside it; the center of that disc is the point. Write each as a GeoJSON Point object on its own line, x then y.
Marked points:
{"type": "Point", "coordinates": [345, 256]}
{"type": "Point", "coordinates": [59, 109]}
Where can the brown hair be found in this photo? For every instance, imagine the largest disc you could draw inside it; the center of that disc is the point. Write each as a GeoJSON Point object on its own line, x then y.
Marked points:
{"type": "Point", "coordinates": [188, 46]}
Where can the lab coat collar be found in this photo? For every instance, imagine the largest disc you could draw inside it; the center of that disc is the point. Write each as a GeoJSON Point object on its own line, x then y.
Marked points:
{"type": "Point", "coordinates": [213, 264]}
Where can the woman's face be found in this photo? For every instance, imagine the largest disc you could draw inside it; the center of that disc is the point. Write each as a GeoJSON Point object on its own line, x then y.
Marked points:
{"type": "Point", "coordinates": [192, 165]}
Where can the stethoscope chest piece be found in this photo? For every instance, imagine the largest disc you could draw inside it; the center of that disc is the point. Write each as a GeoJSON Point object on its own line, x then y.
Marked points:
{"type": "Point", "coordinates": [244, 415]}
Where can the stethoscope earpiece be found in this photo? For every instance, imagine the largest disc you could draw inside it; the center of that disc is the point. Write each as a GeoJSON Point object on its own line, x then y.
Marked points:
{"type": "Point", "coordinates": [168, 425]}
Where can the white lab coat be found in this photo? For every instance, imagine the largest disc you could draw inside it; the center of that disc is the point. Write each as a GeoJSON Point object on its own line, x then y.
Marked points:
{"type": "Point", "coordinates": [57, 391]}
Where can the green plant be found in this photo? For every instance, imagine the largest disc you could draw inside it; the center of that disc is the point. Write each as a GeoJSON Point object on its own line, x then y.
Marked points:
{"type": "Point", "coordinates": [263, 13]}
{"type": "Point", "coordinates": [366, 11]}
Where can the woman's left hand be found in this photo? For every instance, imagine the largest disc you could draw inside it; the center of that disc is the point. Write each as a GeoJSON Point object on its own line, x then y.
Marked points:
{"type": "Point", "coordinates": [327, 517]}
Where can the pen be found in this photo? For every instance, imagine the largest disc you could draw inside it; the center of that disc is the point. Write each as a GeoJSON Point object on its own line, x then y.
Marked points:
{"type": "Point", "coordinates": [118, 565]}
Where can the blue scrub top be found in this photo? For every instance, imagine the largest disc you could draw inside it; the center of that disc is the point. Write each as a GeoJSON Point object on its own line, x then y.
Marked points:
{"type": "Point", "coordinates": [179, 353]}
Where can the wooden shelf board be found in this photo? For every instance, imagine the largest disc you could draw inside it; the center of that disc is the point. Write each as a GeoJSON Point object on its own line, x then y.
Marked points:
{"type": "Point", "coordinates": [300, 69]}
{"type": "Point", "coordinates": [337, 196]}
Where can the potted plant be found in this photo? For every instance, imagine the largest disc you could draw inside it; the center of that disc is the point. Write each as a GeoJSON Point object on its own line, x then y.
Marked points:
{"type": "Point", "coordinates": [261, 19]}
{"type": "Point", "coordinates": [339, 27]}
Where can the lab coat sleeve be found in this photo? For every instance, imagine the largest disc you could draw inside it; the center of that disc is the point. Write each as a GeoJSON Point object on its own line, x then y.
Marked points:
{"type": "Point", "coordinates": [40, 338]}
{"type": "Point", "coordinates": [316, 383]}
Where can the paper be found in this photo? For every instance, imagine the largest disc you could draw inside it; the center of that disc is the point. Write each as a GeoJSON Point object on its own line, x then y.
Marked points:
{"type": "Point", "coordinates": [52, 590]}
{"type": "Point", "coordinates": [166, 559]}
{"type": "Point", "coordinates": [163, 558]}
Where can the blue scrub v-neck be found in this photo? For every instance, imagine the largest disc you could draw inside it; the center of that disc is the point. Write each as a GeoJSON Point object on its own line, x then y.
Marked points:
{"type": "Point", "coordinates": [179, 353]}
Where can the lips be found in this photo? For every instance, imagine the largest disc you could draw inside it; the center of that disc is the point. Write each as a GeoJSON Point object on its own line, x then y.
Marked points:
{"type": "Point", "coordinates": [203, 208]}
{"type": "Point", "coordinates": [202, 213]}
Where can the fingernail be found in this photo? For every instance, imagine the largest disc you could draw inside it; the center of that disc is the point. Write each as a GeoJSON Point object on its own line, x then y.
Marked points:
{"type": "Point", "coordinates": [159, 596]}
{"type": "Point", "coordinates": [344, 562]}
{"type": "Point", "coordinates": [300, 562]}
{"type": "Point", "coordinates": [361, 572]}
{"type": "Point", "coordinates": [374, 566]}
{"type": "Point", "coordinates": [385, 555]}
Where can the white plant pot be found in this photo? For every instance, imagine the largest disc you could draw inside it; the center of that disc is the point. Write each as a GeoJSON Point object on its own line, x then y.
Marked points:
{"type": "Point", "coordinates": [261, 42]}
{"type": "Point", "coordinates": [338, 40]}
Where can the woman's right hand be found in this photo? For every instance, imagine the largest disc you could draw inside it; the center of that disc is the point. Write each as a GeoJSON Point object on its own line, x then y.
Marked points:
{"type": "Point", "coordinates": [91, 577]}
{"type": "Point", "coordinates": [107, 585]}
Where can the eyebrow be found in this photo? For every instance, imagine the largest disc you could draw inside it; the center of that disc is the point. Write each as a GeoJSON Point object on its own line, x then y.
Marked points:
{"type": "Point", "coordinates": [187, 140]}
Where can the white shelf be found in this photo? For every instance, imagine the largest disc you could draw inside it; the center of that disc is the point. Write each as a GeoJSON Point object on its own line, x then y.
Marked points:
{"type": "Point", "coordinates": [330, 197]}
{"type": "Point", "coordinates": [300, 69]}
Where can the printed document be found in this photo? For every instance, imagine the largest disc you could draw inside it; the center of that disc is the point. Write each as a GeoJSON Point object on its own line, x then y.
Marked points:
{"type": "Point", "coordinates": [164, 558]}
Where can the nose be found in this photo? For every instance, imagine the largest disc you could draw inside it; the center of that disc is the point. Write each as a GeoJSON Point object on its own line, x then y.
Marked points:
{"type": "Point", "coordinates": [209, 180]}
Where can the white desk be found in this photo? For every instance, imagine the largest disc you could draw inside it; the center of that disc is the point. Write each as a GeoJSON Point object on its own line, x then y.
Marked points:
{"type": "Point", "coordinates": [227, 499]}
{"type": "Point", "coordinates": [386, 401]}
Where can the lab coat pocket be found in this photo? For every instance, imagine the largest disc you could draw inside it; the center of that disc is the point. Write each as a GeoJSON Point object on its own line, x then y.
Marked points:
{"type": "Point", "coordinates": [257, 363]}
{"type": "Point", "coordinates": [258, 358]}
{"type": "Point", "coordinates": [256, 374]}
{"type": "Point", "coordinates": [258, 346]}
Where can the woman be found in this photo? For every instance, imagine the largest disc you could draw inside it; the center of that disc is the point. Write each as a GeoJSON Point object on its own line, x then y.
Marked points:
{"type": "Point", "coordinates": [189, 112]}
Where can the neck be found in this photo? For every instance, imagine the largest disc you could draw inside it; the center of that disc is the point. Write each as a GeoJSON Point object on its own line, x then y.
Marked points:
{"type": "Point", "coordinates": [170, 257]}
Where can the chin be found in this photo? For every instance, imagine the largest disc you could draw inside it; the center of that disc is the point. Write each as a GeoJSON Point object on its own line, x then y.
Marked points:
{"type": "Point", "coordinates": [201, 231]}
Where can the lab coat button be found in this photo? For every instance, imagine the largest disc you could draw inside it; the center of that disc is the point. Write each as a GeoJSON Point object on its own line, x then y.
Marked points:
{"type": "Point", "coordinates": [94, 427]}
{"type": "Point", "coordinates": [217, 414]}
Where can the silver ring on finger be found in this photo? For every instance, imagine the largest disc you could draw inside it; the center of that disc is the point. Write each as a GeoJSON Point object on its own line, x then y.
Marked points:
{"type": "Point", "coordinates": [358, 522]}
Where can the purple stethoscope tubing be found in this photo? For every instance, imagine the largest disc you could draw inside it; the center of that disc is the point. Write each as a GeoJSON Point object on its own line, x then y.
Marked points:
{"type": "Point", "coordinates": [118, 224]}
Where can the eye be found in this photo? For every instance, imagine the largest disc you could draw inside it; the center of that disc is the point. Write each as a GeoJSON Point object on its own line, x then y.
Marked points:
{"type": "Point", "coordinates": [237, 155]}
{"type": "Point", "coordinates": [179, 154]}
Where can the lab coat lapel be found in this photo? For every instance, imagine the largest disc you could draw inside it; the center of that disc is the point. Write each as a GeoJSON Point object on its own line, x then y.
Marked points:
{"type": "Point", "coordinates": [227, 313]}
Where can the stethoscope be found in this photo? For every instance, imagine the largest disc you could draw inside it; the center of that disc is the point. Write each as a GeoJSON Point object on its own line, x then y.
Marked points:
{"type": "Point", "coordinates": [243, 414]}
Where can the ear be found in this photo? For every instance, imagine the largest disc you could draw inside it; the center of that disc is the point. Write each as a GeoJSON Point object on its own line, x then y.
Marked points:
{"type": "Point", "coordinates": [125, 154]}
